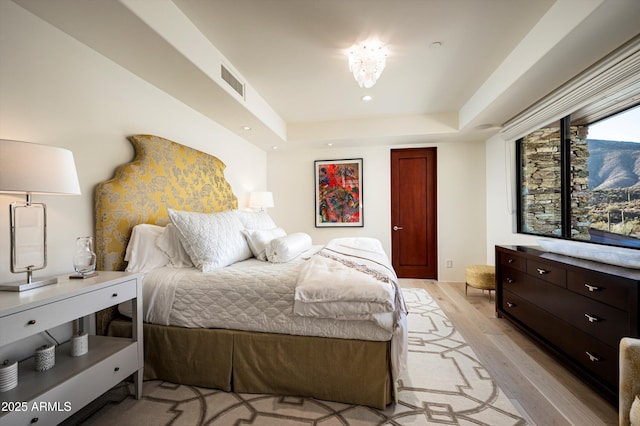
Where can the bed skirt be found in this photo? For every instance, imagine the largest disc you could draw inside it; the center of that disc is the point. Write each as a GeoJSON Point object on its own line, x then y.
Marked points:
{"type": "Point", "coordinates": [348, 371]}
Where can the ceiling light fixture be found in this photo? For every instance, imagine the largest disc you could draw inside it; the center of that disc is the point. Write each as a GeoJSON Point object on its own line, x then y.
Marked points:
{"type": "Point", "coordinates": [366, 61]}
{"type": "Point", "coordinates": [367, 98]}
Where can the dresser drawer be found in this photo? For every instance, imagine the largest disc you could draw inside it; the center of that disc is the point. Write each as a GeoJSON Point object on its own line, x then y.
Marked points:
{"type": "Point", "coordinates": [599, 320]}
{"type": "Point", "coordinates": [549, 272]}
{"type": "Point", "coordinates": [541, 322]}
{"type": "Point", "coordinates": [601, 287]}
{"type": "Point", "coordinates": [512, 261]}
{"type": "Point", "coordinates": [594, 357]}
{"type": "Point", "coordinates": [28, 322]}
{"type": "Point", "coordinates": [538, 292]}
{"type": "Point", "coordinates": [605, 322]}
{"type": "Point", "coordinates": [512, 279]}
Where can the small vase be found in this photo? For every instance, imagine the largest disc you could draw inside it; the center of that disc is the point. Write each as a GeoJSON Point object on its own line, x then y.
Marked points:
{"type": "Point", "coordinates": [84, 259]}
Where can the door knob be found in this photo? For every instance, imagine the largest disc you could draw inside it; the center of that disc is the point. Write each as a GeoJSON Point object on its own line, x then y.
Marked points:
{"type": "Point", "coordinates": [397, 228]}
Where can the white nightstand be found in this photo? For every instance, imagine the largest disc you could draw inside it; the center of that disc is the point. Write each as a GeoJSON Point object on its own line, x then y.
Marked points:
{"type": "Point", "coordinates": [51, 396]}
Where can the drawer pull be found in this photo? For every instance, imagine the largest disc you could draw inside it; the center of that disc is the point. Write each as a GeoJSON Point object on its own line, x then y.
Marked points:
{"type": "Point", "coordinates": [592, 357]}
{"type": "Point", "coordinates": [592, 287]}
{"type": "Point", "coordinates": [511, 304]}
{"type": "Point", "coordinates": [116, 369]}
{"type": "Point", "coordinates": [114, 295]}
{"type": "Point", "coordinates": [31, 322]}
{"type": "Point", "coordinates": [510, 280]}
{"type": "Point", "coordinates": [542, 271]}
{"type": "Point", "coordinates": [591, 318]}
{"type": "Point", "coordinates": [510, 260]}
{"type": "Point", "coordinates": [34, 420]}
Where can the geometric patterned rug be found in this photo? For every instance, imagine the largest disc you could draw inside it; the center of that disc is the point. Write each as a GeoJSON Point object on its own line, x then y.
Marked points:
{"type": "Point", "coordinates": [445, 384]}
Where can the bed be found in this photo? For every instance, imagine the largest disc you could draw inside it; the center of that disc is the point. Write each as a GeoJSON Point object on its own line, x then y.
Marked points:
{"type": "Point", "coordinates": [168, 182]}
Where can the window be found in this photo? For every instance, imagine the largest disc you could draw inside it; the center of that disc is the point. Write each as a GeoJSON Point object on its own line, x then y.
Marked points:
{"type": "Point", "coordinates": [581, 180]}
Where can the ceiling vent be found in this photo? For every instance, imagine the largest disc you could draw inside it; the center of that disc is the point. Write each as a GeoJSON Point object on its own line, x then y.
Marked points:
{"type": "Point", "coordinates": [232, 81]}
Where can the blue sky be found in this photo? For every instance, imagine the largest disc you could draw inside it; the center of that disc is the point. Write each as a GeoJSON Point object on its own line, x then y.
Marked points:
{"type": "Point", "coordinates": [623, 127]}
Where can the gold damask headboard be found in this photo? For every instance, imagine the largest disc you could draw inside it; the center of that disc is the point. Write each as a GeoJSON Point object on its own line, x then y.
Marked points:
{"type": "Point", "coordinates": [163, 174]}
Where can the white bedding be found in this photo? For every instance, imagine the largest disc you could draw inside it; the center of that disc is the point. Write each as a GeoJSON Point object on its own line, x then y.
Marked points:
{"type": "Point", "coordinates": [251, 295]}
{"type": "Point", "coordinates": [254, 295]}
{"type": "Point", "coordinates": [350, 278]}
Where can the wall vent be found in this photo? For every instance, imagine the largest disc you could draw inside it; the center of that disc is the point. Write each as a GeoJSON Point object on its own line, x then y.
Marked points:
{"type": "Point", "coordinates": [232, 80]}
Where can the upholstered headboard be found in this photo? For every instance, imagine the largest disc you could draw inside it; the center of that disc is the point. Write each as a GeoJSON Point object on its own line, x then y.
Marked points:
{"type": "Point", "coordinates": [163, 174]}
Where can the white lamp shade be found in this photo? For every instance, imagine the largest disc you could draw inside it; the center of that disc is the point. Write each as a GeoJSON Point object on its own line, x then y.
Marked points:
{"type": "Point", "coordinates": [261, 200]}
{"type": "Point", "coordinates": [36, 169]}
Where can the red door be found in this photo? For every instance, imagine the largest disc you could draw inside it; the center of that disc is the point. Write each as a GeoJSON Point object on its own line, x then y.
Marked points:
{"type": "Point", "coordinates": [414, 239]}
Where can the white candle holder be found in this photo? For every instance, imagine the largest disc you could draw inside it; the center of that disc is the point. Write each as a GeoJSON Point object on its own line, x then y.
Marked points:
{"type": "Point", "coordinates": [79, 344]}
{"type": "Point", "coordinates": [45, 357]}
{"type": "Point", "coordinates": [8, 375]}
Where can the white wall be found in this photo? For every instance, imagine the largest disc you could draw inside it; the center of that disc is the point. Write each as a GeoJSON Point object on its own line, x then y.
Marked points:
{"type": "Point", "coordinates": [461, 198]}
{"type": "Point", "coordinates": [501, 197]}
{"type": "Point", "coordinates": [55, 90]}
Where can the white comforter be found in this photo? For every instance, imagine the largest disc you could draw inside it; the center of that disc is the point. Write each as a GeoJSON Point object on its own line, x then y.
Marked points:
{"type": "Point", "coordinates": [352, 279]}
{"type": "Point", "coordinates": [251, 295]}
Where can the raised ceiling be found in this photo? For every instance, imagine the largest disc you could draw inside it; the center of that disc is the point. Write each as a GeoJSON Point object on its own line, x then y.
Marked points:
{"type": "Point", "coordinates": [496, 57]}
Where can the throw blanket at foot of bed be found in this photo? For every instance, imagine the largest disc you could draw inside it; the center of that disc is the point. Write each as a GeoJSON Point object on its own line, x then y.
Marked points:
{"type": "Point", "coordinates": [352, 279]}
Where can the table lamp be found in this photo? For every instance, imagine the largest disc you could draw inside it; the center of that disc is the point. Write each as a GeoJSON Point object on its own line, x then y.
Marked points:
{"type": "Point", "coordinates": [29, 168]}
{"type": "Point", "coordinates": [261, 200]}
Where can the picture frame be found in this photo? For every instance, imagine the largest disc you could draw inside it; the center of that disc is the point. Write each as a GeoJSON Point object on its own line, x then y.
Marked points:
{"type": "Point", "coordinates": [338, 193]}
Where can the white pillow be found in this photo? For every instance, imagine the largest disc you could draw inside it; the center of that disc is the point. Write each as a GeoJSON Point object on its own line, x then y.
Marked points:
{"type": "Point", "coordinates": [259, 238]}
{"type": "Point", "coordinates": [170, 244]}
{"type": "Point", "coordinates": [255, 220]}
{"type": "Point", "coordinates": [142, 253]}
{"type": "Point", "coordinates": [287, 248]}
{"type": "Point", "coordinates": [212, 240]}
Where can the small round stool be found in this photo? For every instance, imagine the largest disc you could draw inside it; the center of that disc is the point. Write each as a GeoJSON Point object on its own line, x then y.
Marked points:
{"type": "Point", "coordinates": [482, 277]}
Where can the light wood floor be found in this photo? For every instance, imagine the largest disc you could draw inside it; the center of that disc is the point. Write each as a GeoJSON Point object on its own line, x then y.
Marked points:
{"type": "Point", "coordinates": [545, 392]}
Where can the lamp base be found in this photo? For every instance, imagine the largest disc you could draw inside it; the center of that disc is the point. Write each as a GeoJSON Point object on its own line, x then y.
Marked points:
{"type": "Point", "coordinates": [22, 286]}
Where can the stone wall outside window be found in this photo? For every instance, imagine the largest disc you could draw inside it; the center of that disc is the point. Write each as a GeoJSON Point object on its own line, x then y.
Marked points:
{"type": "Point", "coordinates": [541, 192]}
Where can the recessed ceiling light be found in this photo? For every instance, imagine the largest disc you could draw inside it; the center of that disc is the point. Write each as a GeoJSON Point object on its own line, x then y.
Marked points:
{"type": "Point", "coordinates": [366, 98]}
{"type": "Point", "coordinates": [330, 144]}
{"type": "Point", "coordinates": [246, 128]}
{"type": "Point", "coordinates": [274, 147]}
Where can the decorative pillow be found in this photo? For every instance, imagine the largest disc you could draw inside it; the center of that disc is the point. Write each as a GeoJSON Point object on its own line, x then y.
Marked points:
{"type": "Point", "coordinates": [287, 248]}
{"type": "Point", "coordinates": [634, 414]}
{"type": "Point", "coordinates": [258, 240]}
{"type": "Point", "coordinates": [212, 240]}
{"type": "Point", "coordinates": [170, 244]}
{"type": "Point", "coordinates": [255, 220]}
{"type": "Point", "coordinates": [142, 253]}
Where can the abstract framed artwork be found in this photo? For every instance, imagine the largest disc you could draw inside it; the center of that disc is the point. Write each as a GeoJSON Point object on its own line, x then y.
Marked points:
{"type": "Point", "coordinates": [338, 193]}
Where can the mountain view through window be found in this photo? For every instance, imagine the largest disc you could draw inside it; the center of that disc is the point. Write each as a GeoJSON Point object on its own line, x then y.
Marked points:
{"type": "Point", "coordinates": [613, 188]}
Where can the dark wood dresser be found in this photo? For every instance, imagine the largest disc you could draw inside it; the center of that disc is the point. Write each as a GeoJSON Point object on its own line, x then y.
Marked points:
{"type": "Point", "coordinates": [577, 309]}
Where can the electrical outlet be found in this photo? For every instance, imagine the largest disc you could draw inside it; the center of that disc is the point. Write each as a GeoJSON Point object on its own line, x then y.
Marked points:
{"type": "Point", "coordinates": [449, 263]}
